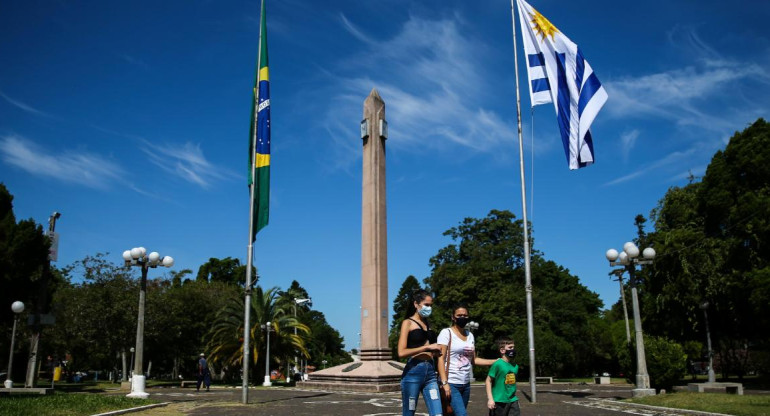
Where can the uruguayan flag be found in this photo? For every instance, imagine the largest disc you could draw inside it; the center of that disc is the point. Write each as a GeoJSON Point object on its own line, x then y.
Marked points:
{"type": "Point", "coordinates": [558, 73]}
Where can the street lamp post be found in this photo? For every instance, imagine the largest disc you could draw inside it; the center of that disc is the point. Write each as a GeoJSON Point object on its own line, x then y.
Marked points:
{"type": "Point", "coordinates": [712, 376]}
{"type": "Point", "coordinates": [267, 329]}
{"type": "Point", "coordinates": [629, 258]}
{"type": "Point", "coordinates": [138, 257]}
{"type": "Point", "coordinates": [17, 308]}
{"type": "Point", "coordinates": [131, 367]}
{"type": "Point", "coordinates": [294, 306]}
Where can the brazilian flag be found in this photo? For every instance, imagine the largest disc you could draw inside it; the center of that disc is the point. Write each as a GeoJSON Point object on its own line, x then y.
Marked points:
{"type": "Point", "coordinates": [260, 125]}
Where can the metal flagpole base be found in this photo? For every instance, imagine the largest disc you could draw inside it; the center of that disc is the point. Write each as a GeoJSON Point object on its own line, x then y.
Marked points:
{"type": "Point", "coordinates": [137, 388]}
{"type": "Point", "coordinates": [267, 382]}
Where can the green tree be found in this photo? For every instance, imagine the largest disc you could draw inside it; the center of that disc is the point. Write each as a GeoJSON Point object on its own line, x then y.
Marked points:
{"type": "Point", "coordinates": [177, 320]}
{"type": "Point", "coordinates": [225, 339]}
{"type": "Point", "coordinates": [96, 318]}
{"type": "Point", "coordinates": [226, 270]}
{"type": "Point", "coordinates": [713, 240]}
{"type": "Point", "coordinates": [666, 361]}
{"type": "Point", "coordinates": [96, 314]}
{"type": "Point", "coordinates": [23, 267]}
{"type": "Point", "coordinates": [400, 307]}
{"type": "Point", "coordinates": [484, 269]}
{"type": "Point", "coordinates": [324, 342]}
{"type": "Point", "coordinates": [177, 276]}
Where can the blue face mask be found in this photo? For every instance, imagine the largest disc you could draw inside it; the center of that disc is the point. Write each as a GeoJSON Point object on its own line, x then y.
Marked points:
{"type": "Point", "coordinates": [425, 311]}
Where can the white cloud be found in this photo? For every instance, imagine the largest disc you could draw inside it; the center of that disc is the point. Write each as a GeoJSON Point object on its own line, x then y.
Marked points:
{"type": "Point", "coordinates": [80, 167]}
{"type": "Point", "coordinates": [25, 107]}
{"type": "Point", "coordinates": [627, 142]}
{"type": "Point", "coordinates": [706, 100]}
{"type": "Point", "coordinates": [133, 61]}
{"type": "Point", "coordinates": [434, 87]}
{"type": "Point", "coordinates": [674, 94]}
{"type": "Point", "coordinates": [355, 31]}
{"type": "Point", "coordinates": [187, 162]}
{"type": "Point", "coordinates": [712, 92]}
{"type": "Point", "coordinates": [675, 157]}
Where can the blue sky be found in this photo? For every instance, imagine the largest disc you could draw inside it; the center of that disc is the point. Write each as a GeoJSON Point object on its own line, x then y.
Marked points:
{"type": "Point", "coordinates": [132, 119]}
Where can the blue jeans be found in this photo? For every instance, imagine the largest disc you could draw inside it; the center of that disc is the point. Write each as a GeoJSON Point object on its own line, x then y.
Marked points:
{"type": "Point", "coordinates": [419, 376]}
{"type": "Point", "coordinates": [461, 393]}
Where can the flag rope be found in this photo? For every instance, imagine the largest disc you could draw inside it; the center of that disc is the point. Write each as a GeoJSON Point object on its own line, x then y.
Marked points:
{"type": "Point", "coordinates": [532, 164]}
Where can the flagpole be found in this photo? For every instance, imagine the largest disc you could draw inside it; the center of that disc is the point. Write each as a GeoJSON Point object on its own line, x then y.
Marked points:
{"type": "Point", "coordinates": [250, 255]}
{"type": "Point", "coordinates": [527, 274]}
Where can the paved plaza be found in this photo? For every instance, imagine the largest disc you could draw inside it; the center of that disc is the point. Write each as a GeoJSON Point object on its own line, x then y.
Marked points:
{"type": "Point", "coordinates": [557, 399]}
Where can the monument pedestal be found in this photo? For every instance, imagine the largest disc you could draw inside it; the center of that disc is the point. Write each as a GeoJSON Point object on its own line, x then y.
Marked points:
{"type": "Point", "coordinates": [363, 376]}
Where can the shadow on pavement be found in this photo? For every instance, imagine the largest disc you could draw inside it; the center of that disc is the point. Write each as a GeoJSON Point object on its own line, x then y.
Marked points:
{"type": "Point", "coordinates": [573, 394]}
{"type": "Point", "coordinates": [302, 396]}
{"type": "Point", "coordinates": [525, 394]}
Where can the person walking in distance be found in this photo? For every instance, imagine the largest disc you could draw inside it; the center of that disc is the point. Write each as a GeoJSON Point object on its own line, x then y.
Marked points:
{"type": "Point", "coordinates": [204, 376]}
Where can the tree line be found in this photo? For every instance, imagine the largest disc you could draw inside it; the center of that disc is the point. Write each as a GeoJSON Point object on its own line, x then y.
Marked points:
{"type": "Point", "coordinates": [712, 237]}
{"type": "Point", "coordinates": [94, 302]}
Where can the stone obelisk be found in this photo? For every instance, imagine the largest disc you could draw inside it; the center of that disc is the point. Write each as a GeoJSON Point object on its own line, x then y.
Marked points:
{"type": "Point", "coordinates": [374, 234]}
{"type": "Point", "coordinates": [375, 372]}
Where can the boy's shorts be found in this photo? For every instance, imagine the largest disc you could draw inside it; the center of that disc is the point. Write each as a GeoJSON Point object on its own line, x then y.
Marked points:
{"type": "Point", "coordinates": [506, 409]}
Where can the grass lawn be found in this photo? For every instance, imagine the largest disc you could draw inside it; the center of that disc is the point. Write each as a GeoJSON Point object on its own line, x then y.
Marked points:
{"type": "Point", "coordinates": [101, 386]}
{"type": "Point", "coordinates": [65, 404]}
{"type": "Point", "coordinates": [731, 404]}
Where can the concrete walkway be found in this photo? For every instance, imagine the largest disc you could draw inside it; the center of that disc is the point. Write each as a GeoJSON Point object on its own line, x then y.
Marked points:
{"type": "Point", "coordinates": [557, 399]}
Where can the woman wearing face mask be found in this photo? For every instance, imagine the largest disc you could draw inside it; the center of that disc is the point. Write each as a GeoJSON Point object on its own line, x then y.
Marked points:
{"type": "Point", "coordinates": [418, 342]}
{"type": "Point", "coordinates": [459, 345]}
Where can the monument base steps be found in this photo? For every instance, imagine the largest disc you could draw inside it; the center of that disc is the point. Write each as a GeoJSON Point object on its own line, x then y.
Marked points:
{"type": "Point", "coordinates": [361, 376]}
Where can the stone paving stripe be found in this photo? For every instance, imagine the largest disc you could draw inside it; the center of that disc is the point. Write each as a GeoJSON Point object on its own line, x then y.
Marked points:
{"type": "Point", "coordinates": [657, 410]}
{"type": "Point", "coordinates": [132, 409]}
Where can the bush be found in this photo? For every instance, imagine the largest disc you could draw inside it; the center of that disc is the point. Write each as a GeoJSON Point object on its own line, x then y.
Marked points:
{"type": "Point", "coordinates": [666, 361]}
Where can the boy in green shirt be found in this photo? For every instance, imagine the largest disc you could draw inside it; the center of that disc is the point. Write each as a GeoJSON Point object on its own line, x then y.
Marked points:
{"type": "Point", "coordinates": [501, 382]}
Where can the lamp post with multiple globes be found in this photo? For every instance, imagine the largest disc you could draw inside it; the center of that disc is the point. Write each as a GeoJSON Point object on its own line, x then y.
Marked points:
{"type": "Point", "coordinates": [138, 257]}
{"type": "Point", "coordinates": [629, 258]}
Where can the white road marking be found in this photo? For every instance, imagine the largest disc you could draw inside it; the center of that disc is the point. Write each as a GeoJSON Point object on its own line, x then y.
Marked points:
{"type": "Point", "coordinates": [379, 402]}
{"type": "Point", "coordinates": [616, 407]}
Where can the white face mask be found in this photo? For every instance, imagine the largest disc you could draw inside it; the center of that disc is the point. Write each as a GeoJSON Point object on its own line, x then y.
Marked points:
{"type": "Point", "coordinates": [425, 311]}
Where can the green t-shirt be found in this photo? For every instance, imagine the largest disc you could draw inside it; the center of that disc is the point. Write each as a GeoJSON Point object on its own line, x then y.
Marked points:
{"type": "Point", "coordinates": [503, 375]}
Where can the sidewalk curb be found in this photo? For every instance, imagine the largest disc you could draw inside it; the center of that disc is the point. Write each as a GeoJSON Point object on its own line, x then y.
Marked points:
{"type": "Point", "coordinates": [660, 408]}
{"type": "Point", "coordinates": [133, 409]}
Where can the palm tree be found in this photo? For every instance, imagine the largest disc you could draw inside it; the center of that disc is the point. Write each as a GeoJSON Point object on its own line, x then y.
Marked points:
{"type": "Point", "coordinates": [225, 339]}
